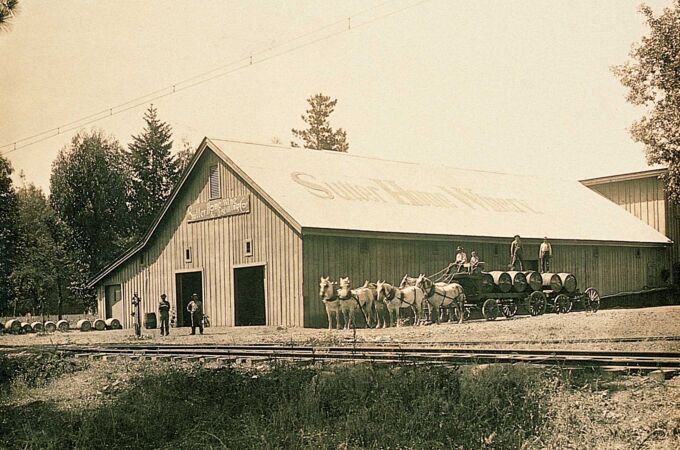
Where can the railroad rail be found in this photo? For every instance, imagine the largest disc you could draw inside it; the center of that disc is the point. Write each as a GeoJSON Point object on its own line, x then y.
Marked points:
{"type": "Point", "coordinates": [607, 360]}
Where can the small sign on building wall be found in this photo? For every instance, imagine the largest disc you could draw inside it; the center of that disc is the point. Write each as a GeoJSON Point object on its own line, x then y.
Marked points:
{"type": "Point", "coordinates": [219, 208]}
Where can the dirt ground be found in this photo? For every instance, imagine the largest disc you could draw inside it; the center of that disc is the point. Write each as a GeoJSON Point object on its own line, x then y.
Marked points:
{"type": "Point", "coordinates": [605, 324]}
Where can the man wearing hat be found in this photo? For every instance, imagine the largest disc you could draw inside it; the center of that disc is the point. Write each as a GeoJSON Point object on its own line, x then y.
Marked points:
{"type": "Point", "coordinates": [195, 308]}
{"type": "Point", "coordinates": [164, 314]}
{"type": "Point", "coordinates": [544, 254]}
{"type": "Point", "coordinates": [461, 258]}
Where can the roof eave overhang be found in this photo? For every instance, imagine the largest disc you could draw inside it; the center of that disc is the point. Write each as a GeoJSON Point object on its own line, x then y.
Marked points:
{"type": "Point", "coordinates": [653, 173]}
{"type": "Point", "coordinates": [313, 231]}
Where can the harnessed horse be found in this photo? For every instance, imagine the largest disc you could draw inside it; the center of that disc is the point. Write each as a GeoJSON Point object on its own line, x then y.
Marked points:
{"type": "Point", "coordinates": [328, 291]}
{"type": "Point", "coordinates": [443, 295]}
{"type": "Point", "coordinates": [396, 298]}
{"type": "Point", "coordinates": [378, 307]}
{"type": "Point", "coordinates": [351, 298]}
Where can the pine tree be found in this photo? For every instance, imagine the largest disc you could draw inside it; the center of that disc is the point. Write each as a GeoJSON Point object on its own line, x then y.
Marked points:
{"type": "Point", "coordinates": [8, 9]}
{"type": "Point", "coordinates": [319, 135]}
{"type": "Point", "coordinates": [153, 169]}
{"type": "Point", "coordinates": [8, 232]}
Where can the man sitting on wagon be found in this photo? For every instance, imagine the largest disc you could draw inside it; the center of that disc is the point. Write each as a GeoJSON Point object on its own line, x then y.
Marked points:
{"type": "Point", "coordinates": [461, 259]}
{"type": "Point", "coordinates": [474, 262]}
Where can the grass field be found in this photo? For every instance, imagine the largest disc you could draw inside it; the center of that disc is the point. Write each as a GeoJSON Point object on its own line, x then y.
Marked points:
{"type": "Point", "coordinates": [54, 402]}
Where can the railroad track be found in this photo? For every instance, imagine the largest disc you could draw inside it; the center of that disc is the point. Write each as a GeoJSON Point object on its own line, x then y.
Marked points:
{"type": "Point", "coordinates": [533, 341]}
{"type": "Point", "coordinates": [607, 360]}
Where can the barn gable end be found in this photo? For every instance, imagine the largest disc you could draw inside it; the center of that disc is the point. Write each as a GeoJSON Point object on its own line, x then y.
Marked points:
{"type": "Point", "coordinates": [186, 239]}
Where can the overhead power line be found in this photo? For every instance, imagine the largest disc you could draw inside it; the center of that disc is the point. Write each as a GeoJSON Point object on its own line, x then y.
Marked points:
{"type": "Point", "coordinates": [252, 59]}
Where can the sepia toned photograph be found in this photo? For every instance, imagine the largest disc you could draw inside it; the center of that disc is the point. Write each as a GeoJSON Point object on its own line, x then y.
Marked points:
{"type": "Point", "coordinates": [340, 224]}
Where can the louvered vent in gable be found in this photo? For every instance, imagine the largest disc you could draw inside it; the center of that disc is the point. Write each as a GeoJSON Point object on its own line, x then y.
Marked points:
{"type": "Point", "coordinates": [215, 182]}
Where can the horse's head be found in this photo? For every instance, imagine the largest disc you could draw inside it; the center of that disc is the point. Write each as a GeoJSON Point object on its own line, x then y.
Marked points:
{"type": "Point", "coordinates": [325, 288]}
{"type": "Point", "coordinates": [423, 282]}
{"type": "Point", "coordinates": [404, 282]}
{"type": "Point", "coordinates": [345, 287]}
{"type": "Point", "coordinates": [382, 290]}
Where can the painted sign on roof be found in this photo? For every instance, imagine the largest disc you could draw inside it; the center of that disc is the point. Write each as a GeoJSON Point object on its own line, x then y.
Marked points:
{"type": "Point", "coordinates": [330, 190]}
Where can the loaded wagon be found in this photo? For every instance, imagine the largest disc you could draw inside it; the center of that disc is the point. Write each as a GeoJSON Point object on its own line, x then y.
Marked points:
{"type": "Point", "coordinates": [498, 292]}
{"type": "Point", "coordinates": [562, 293]}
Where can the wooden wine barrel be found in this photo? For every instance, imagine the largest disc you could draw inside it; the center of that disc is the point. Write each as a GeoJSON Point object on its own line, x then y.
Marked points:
{"type": "Point", "coordinates": [150, 322]}
{"type": "Point", "coordinates": [568, 282]}
{"type": "Point", "coordinates": [502, 281]}
{"type": "Point", "coordinates": [37, 326]}
{"type": "Point", "coordinates": [13, 326]}
{"type": "Point", "coordinates": [50, 327]}
{"type": "Point", "coordinates": [26, 327]}
{"type": "Point", "coordinates": [84, 325]}
{"type": "Point", "coordinates": [113, 324]}
{"type": "Point", "coordinates": [552, 281]}
{"type": "Point", "coordinates": [534, 280]}
{"type": "Point", "coordinates": [487, 284]}
{"type": "Point", "coordinates": [63, 325]}
{"type": "Point", "coordinates": [99, 325]}
{"type": "Point", "coordinates": [519, 281]}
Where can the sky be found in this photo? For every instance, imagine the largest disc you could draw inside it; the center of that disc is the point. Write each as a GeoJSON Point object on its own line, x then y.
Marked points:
{"type": "Point", "coordinates": [507, 86]}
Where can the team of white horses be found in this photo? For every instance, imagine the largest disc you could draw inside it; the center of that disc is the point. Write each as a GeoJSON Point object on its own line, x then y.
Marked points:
{"type": "Point", "coordinates": [381, 301]}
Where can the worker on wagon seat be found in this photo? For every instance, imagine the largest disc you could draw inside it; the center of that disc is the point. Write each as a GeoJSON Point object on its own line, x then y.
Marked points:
{"type": "Point", "coordinates": [474, 261]}
{"type": "Point", "coordinates": [516, 253]}
{"type": "Point", "coordinates": [544, 255]}
{"type": "Point", "coordinates": [461, 259]}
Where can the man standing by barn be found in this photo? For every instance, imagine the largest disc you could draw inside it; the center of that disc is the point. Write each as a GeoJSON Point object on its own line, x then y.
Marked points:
{"type": "Point", "coordinates": [164, 314]}
{"type": "Point", "coordinates": [195, 308]}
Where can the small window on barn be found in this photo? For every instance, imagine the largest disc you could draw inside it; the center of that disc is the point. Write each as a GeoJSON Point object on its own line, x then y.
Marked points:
{"type": "Point", "coordinates": [596, 252]}
{"type": "Point", "coordinates": [495, 250]}
{"type": "Point", "coordinates": [637, 252]}
{"type": "Point", "coordinates": [363, 246]}
{"type": "Point", "coordinates": [248, 247]}
{"type": "Point", "coordinates": [215, 182]}
{"type": "Point", "coordinates": [187, 255]}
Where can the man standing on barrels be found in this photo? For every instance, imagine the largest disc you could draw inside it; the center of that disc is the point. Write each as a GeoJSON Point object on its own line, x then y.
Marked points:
{"type": "Point", "coordinates": [516, 253]}
{"type": "Point", "coordinates": [195, 308]}
{"type": "Point", "coordinates": [164, 314]}
{"type": "Point", "coordinates": [544, 255]}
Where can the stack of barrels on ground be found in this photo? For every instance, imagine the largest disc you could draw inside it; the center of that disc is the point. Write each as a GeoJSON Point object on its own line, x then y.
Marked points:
{"type": "Point", "coordinates": [17, 326]}
{"type": "Point", "coordinates": [502, 292]}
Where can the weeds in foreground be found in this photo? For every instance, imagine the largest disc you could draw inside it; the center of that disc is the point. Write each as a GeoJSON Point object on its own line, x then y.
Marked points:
{"type": "Point", "coordinates": [363, 406]}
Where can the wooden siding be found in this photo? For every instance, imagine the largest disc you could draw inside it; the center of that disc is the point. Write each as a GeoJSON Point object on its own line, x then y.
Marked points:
{"type": "Point", "coordinates": [642, 197]}
{"type": "Point", "coordinates": [610, 269]}
{"type": "Point", "coordinates": [217, 248]}
{"type": "Point", "coordinates": [645, 199]}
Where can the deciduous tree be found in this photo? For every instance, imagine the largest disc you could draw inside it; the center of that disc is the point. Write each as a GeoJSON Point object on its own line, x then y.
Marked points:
{"type": "Point", "coordinates": [89, 188]}
{"type": "Point", "coordinates": [320, 135]}
{"type": "Point", "coordinates": [43, 273]}
{"type": "Point", "coordinates": [652, 77]}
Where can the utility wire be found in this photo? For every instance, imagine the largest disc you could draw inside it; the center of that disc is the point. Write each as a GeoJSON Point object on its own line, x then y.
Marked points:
{"type": "Point", "coordinates": [204, 77]}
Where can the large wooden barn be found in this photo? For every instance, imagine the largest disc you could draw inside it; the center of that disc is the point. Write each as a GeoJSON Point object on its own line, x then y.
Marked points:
{"type": "Point", "coordinates": [251, 229]}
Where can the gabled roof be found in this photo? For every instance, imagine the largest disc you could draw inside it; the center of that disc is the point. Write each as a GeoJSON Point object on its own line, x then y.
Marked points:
{"type": "Point", "coordinates": [314, 190]}
{"type": "Point", "coordinates": [331, 190]}
{"type": "Point", "coordinates": [651, 173]}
